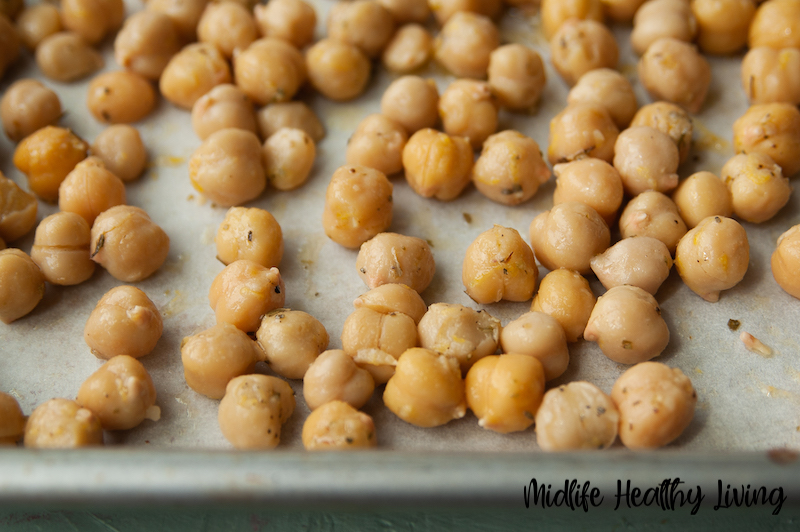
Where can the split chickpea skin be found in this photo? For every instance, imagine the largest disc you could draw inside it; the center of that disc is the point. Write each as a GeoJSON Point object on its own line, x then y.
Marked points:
{"type": "Point", "coordinates": [338, 426]}
{"type": "Point", "coordinates": [124, 322]}
{"type": "Point", "coordinates": [253, 410]}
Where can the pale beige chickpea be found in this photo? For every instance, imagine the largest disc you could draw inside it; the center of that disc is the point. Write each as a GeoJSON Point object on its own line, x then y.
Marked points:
{"type": "Point", "coordinates": [516, 76]}
{"type": "Point", "coordinates": [27, 106]}
{"type": "Point", "coordinates": [358, 205]}
{"type": "Point", "coordinates": [410, 48]}
{"type": "Point", "coordinates": [426, 389]}
{"type": "Point", "coordinates": [413, 102]}
{"type": "Point", "coordinates": [65, 57]}
{"type": "Point", "coordinates": [291, 20]}
{"type": "Point", "coordinates": [252, 234]}
{"type": "Point", "coordinates": [610, 89]}
{"type": "Point", "coordinates": [656, 403]}
{"type": "Point", "coordinates": [499, 265]}
{"type": "Point", "coordinates": [566, 296]}
{"type": "Point", "coordinates": [120, 393]}
{"type": "Point", "coordinates": [120, 97]}
{"type": "Point", "coordinates": [121, 149]}
{"type": "Point", "coordinates": [9, 43]}
{"type": "Point", "coordinates": [701, 195]}
{"type": "Point", "coordinates": [653, 214]}
{"type": "Point", "coordinates": [646, 159]}
{"type": "Point", "coordinates": [393, 297]}
{"type": "Point", "coordinates": [337, 426]}
{"type": "Point", "coordinates": [12, 426]}
{"type": "Point", "coordinates": [674, 71]}
{"type": "Point", "coordinates": [580, 46]}
{"type": "Point", "coordinates": [555, 12]}
{"type": "Point", "coordinates": [658, 19]}
{"type": "Point", "coordinates": [591, 181]}
{"type": "Point", "coordinates": [224, 106]}
{"type": "Point", "coordinates": [334, 376]}
{"type": "Point", "coordinates": [128, 244]}
{"type": "Point", "coordinates": [510, 168]}
{"type": "Point", "coordinates": [291, 341]}
{"type": "Point", "coordinates": [92, 19]}
{"type": "Point", "coordinates": [37, 22]}
{"type": "Point", "coordinates": [394, 258]}
{"type": "Point", "coordinates": [296, 115]}
{"type": "Point", "coordinates": [621, 10]}
{"type": "Point", "coordinates": [288, 157]}
{"type": "Point", "coordinates": [253, 410]}
{"type": "Point", "coordinates": [47, 156]}
{"type": "Point", "coordinates": [270, 70]}
{"type": "Point", "coordinates": [17, 210]}
{"type": "Point", "coordinates": [576, 417]}
{"type": "Point", "coordinates": [437, 165]}
{"type": "Point", "coordinates": [244, 291]}
{"type": "Point", "coordinates": [61, 249]}
{"type": "Point", "coordinates": [773, 129]}
{"type": "Point", "coordinates": [581, 130]}
{"type": "Point", "coordinates": [227, 25]}
{"type": "Point", "coordinates": [771, 76]}
{"type": "Point", "coordinates": [62, 424]}
{"type": "Point", "coordinates": [443, 10]}
{"type": "Point", "coordinates": [465, 44]}
{"type": "Point", "coordinates": [338, 70]}
{"type": "Point", "coordinates": [185, 14]}
{"type": "Point", "coordinates": [505, 391]}
{"type": "Point", "coordinates": [146, 43]}
{"type": "Point", "coordinates": [21, 285]}
{"type": "Point", "coordinates": [776, 24]}
{"type": "Point", "coordinates": [468, 109]}
{"type": "Point", "coordinates": [785, 261]}
{"type": "Point", "coordinates": [377, 142]}
{"type": "Point", "coordinates": [757, 186]}
{"type": "Point", "coordinates": [192, 72]}
{"type": "Point", "coordinates": [713, 256]}
{"type": "Point", "coordinates": [362, 23]}
{"type": "Point", "coordinates": [227, 168]}
{"type": "Point", "coordinates": [722, 25]}
{"type": "Point", "coordinates": [641, 261]}
{"type": "Point", "coordinates": [124, 322]}
{"type": "Point", "coordinates": [568, 236]}
{"type": "Point", "coordinates": [89, 189]}
{"type": "Point", "coordinates": [458, 332]}
{"type": "Point", "coordinates": [405, 11]}
{"type": "Point", "coordinates": [670, 119]}
{"type": "Point", "coordinates": [541, 336]}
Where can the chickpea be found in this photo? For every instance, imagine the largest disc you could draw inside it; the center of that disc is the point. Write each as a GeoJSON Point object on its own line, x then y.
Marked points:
{"type": "Point", "coordinates": [376, 340]}
{"type": "Point", "coordinates": [426, 389]}
{"type": "Point", "coordinates": [296, 115]}
{"type": "Point", "coordinates": [642, 261]}
{"type": "Point", "coordinates": [541, 336]}
{"type": "Point", "coordinates": [468, 109]}
{"type": "Point", "coordinates": [12, 426]}
{"type": "Point", "coordinates": [655, 402]}
{"type": "Point", "coordinates": [146, 43]}
{"type": "Point", "coordinates": [713, 256]}
{"type": "Point", "coordinates": [653, 214]}
{"type": "Point", "coordinates": [673, 70]}
{"type": "Point", "coordinates": [17, 210]}
{"type": "Point", "coordinates": [224, 106]}
{"type": "Point", "coordinates": [670, 119]}
{"type": "Point", "coordinates": [772, 76]}
{"type": "Point", "coordinates": [252, 234]}
{"type": "Point", "coordinates": [510, 168]}
{"type": "Point", "coordinates": [362, 23]}
{"type": "Point", "coordinates": [92, 19]}
{"type": "Point", "coordinates": [465, 44]}
{"type": "Point", "coordinates": [120, 393]}
{"type": "Point", "coordinates": [245, 291]}
{"type": "Point", "coordinates": [27, 106]}
{"type": "Point", "coordinates": [124, 322]}
{"type": "Point", "coordinates": [21, 285]}
{"type": "Point", "coordinates": [227, 25]}
{"type": "Point", "coordinates": [90, 189]}
{"type": "Point", "coordinates": [227, 168]}
{"type": "Point", "coordinates": [337, 426]}
{"type": "Point", "coordinates": [334, 376]}
{"type": "Point", "coordinates": [410, 48]}
{"type": "Point", "coordinates": [702, 195]}
{"type": "Point", "coordinates": [122, 151]}
{"type": "Point", "coordinates": [358, 205]}
{"type": "Point", "coordinates": [405, 11]}
{"type": "Point", "coordinates": [412, 102]}
{"type": "Point", "coordinates": [785, 262]}
{"type": "Point", "coordinates": [340, 71]}
{"type": "Point", "coordinates": [393, 297]}
{"type": "Point", "coordinates": [62, 424]}
{"type": "Point", "coordinates": [568, 236]}
{"type": "Point", "coordinates": [288, 157]}
{"type": "Point", "coordinates": [291, 20]}
{"type": "Point", "coordinates": [591, 181]}
{"type": "Point", "coordinates": [757, 186]}
{"type": "Point", "coordinates": [185, 14]}
{"type": "Point", "coordinates": [11, 8]}
{"type": "Point", "coordinates": [459, 332]}
{"type": "Point", "coordinates": [576, 416]}
{"type": "Point", "coordinates": [61, 249]}
{"type": "Point", "coordinates": [192, 72]}
{"type": "Point", "coordinates": [444, 10]}
{"type": "Point", "coordinates": [127, 243]}
{"type": "Point", "coordinates": [722, 25]}
{"type": "Point", "coordinates": [120, 97]}
{"type": "Point", "coordinates": [658, 19]}
{"type": "Point", "coordinates": [621, 10]}
{"type": "Point", "coordinates": [776, 24]}
{"type": "Point", "coordinates": [253, 409]}
{"type": "Point", "coordinates": [437, 165]}
{"type": "Point", "coordinates": [555, 12]}
{"type": "Point", "coordinates": [9, 43]}
{"type": "Point", "coordinates": [291, 340]}
{"type": "Point", "coordinates": [393, 258]}
{"type": "Point", "coordinates": [580, 46]}
{"type": "Point", "coordinates": [581, 130]}
{"type": "Point", "coordinates": [35, 23]}
{"type": "Point", "coordinates": [516, 76]}
{"type": "Point", "coordinates": [505, 391]}
{"type": "Point", "coordinates": [610, 89]}
{"type": "Point", "coordinates": [646, 159]}
{"type": "Point", "coordinates": [65, 56]}
{"type": "Point", "coordinates": [566, 295]}
{"type": "Point", "coordinates": [773, 129]}
{"type": "Point", "coordinates": [378, 142]}
{"type": "Point", "coordinates": [46, 157]}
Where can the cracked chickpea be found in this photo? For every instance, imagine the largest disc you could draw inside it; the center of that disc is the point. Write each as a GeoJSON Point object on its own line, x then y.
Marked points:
{"type": "Point", "coordinates": [459, 332]}
{"type": "Point", "coordinates": [646, 159]}
{"type": "Point", "coordinates": [412, 102]}
{"type": "Point", "coordinates": [61, 249]}
{"type": "Point", "coordinates": [253, 410]}
{"type": "Point", "coordinates": [291, 341]}
{"type": "Point", "coordinates": [610, 89]}
{"type": "Point", "coordinates": [297, 115]}
{"type": "Point", "coordinates": [410, 48]}
{"type": "Point", "coordinates": [124, 322]}
{"type": "Point", "coordinates": [516, 76]}
{"type": "Point", "coordinates": [378, 143]}
{"type": "Point", "coordinates": [640, 261]}
{"type": "Point", "coordinates": [245, 291]}
{"type": "Point", "coordinates": [146, 43]}
{"type": "Point", "coordinates": [35, 23]}
{"type": "Point", "coordinates": [591, 181]}
{"type": "Point", "coordinates": [785, 262]}
{"type": "Point", "coordinates": [653, 214]}
{"type": "Point", "coordinates": [291, 20]}
{"type": "Point", "coordinates": [580, 46]}
{"type": "Point", "coordinates": [334, 376]}
{"type": "Point", "coordinates": [251, 234]}
{"type": "Point", "coordinates": [555, 12]}
{"type": "Point", "coordinates": [566, 295]}
{"type": "Point", "coordinates": [27, 106]}
{"type": "Point", "coordinates": [758, 189]}
{"type": "Point", "coordinates": [288, 157]}
{"type": "Point", "coordinates": [657, 19]}
{"type": "Point", "coordinates": [270, 70]}
{"type": "Point", "coordinates": [773, 129]}
{"type": "Point", "coordinates": [90, 189]}
{"type": "Point", "coordinates": [674, 71]}
{"type": "Point", "coordinates": [776, 24]}
{"type": "Point", "coordinates": [701, 195]}
{"type": "Point", "coordinates": [185, 15]}
{"type": "Point", "coordinates": [568, 236]}
{"type": "Point", "coordinates": [437, 165]}
{"type": "Point", "coordinates": [12, 420]}
{"type": "Point", "coordinates": [65, 57]}
{"type": "Point", "coordinates": [17, 210]}
{"type": "Point", "coordinates": [576, 416]}
{"type": "Point", "coordinates": [468, 109]}
{"type": "Point", "coordinates": [337, 426]}
{"type": "Point", "coordinates": [21, 285]}
{"type": "Point", "coordinates": [393, 297]}
{"type": "Point", "coordinates": [62, 424]}
{"type": "Point", "coordinates": [362, 23]}
{"type": "Point", "coordinates": [227, 25]}
{"type": "Point", "coordinates": [581, 130]}
{"type": "Point", "coordinates": [338, 70]}
{"type": "Point", "coordinates": [541, 336]}
{"type": "Point", "coordinates": [670, 119]}
{"type": "Point", "coordinates": [192, 72]}
{"type": "Point", "coordinates": [395, 258]}
{"type": "Point", "coordinates": [121, 149]}
{"type": "Point", "coordinates": [771, 76]}
{"type": "Point", "coordinates": [224, 106]}
{"type": "Point", "coordinates": [510, 168]}
{"type": "Point", "coordinates": [465, 44]}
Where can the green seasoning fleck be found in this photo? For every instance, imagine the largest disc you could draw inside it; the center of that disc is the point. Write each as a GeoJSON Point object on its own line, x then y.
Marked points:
{"type": "Point", "coordinates": [734, 324]}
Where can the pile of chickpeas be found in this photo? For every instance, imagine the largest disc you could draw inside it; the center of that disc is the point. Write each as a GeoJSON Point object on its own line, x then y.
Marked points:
{"type": "Point", "coordinates": [240, 70]}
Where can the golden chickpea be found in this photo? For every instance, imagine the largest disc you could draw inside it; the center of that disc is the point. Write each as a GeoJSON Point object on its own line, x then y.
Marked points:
{"type": "Point", "coordinates": [641, 261]}
{"type": "Point", "coordinates": [192, 72]}
{"type": "Point", "coordinates": [468, 109]}
{"type": "Point", "coordinates": [21, 285]}
{"type": "Point", "coordinates": [591, 181]}
{"type": "Point", "coordinates": [568, 236]}
{"type": "Point", "coordinates": [393, 258]}
{"type": "Point", "coordinates": [291, 341]}
{"type": "Point", "coordinates": [405, 11]}
{"type": "Point", "coordinates": [465, 44]}
{"type": "Point", "coordinates": [146, 43]}
{"type": "Point", "coordinates": [426, 389]}
{"type": "Point", "coordinates": [124, 322]}
{"type": "Point", "coordinates": [251, 234]}
{"type": "Point", "coordinates": [393, 297]}
{"type": "Point", "coordinates": [224, 106]}
{"type": "Point", "coordinates": [412, 102]}
{"type": "Point", "coordinates": [65, 56]}
{"type": "Point", "coordinates": [296, 115]}
{"type": "Point", "coordinates": [785, 261]}
{"type": "Point", "coordinates": [37, 22]}
{"type": "Point", "coordinates": [776, 24]}
{"type": "Point", "coordinates": [291, 20]}
{"type": "Point", "coordinates": [288, 157]}
{"type": "Point", "coordinates": [9, 43]}
{"type": "Point", "coordinates": [444, 10]}
{"type": "Point", "coordinates": [185, 14]}
{"type": "Point", "coordinates": [245, 291]}
{"type": "Point", "coordinates": [92, 19]}
{"type": "Point", "coordinates": [576, 416]}
{"type": "Point", "coordinates": [437, 165]}
{"type": "Point", "coordinates": [270, 70]}
{"type": "Point", "coordinates": [609, 88]}
{"type": "Point", "coordinates": [227, 25]}
{"type": "Point", "coordinates": [17, 210]}
{"type": "Point", "coordinates": [337, 426]}
{"type": "Point", "coordinates": [581, 130]}
{"type": "Point", "coordinates": [580, 46]}
{"type": "Point", "coordinates": [655, 402]}
{"type": "Point", "coordinates": [62, 424]}
{"type": "Point", "coordinates": [772, 76]}
{"type": "Point", "coordinates": [701, 195]}
{"type": "Point", "coordinates": [47, 156]}
{"type": "Point", "coordinates": [28, 106]}
{"type": "Point", "coordinates": [253, 409]}
{"type": "Point", "coordinates": [670, 119]}
{"type": "Point", "coordinates": [510, 168]}
{"type": "Point", "coordinates": [90, 189]}
{"type": "Point", "coordinates": [334, 376]}
{"type": "Point", "coordinates": [505, 391]}
{"type": "Point", "coordinates": [121, 149]}
{"type": "Point", "coordinates": [227, 168]}
{"type": "Point", "coordinates": [338, 70]}
{"type": "Point", "coordinates": [673, 70]}
{"type": "Point", "coordinates": [621, 10]}
{"type": "Point", "coordinates": [653, 214]}
{"type": "Point", "coordinates": [12, 426]}
{"type": "Point", "coordinates": [358, 205]}
{"type": "Point", "coordinates": [566, 295]}
{"type": "Point", "coordinates": [410, 48]}
{"type": "Point", "coordinates": [120, 393]}
{"type": "Point", "coordinates": [773, 129]}
{"type": "Point", "coordinates": [757, 186]}
{"type": "Point", "coordinates": [11, 8]}
{"type": "Point", "coordinates": [722, 24]}
{"type": "Point", "coordinates": [61, 249]}
{"type": "Point", "coordinates": [377, 142]}
{"type": "Point", "coordinates": [646, 159]}
{"type": "Point", "coordinates": [127, 243]}
{"type": "Point", "coordinates": [541, 336]}
{"type": "Point", "coordinates": [459, 332]}
{"type": "Point", "coordinates": [658, 19]}
{"type": "Point", "coordinates": [362, 23]}
{"type": "Point", "coordinates": [516, 76]}
{"type": "Point", "coordinates": [555, 12]}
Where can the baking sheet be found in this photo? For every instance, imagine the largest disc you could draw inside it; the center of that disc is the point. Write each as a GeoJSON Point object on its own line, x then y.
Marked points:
{"type": "Point", "coordinates": [746, 402]}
